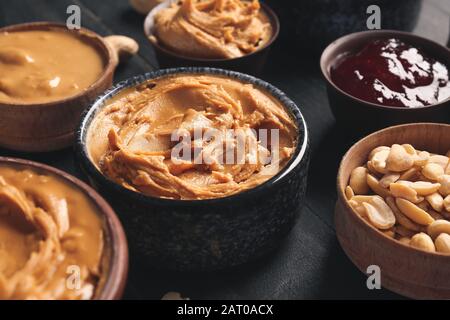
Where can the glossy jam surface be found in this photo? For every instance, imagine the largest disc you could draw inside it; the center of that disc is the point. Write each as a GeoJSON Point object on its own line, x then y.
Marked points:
{"type": "Point", "coordinates": [392, 73]}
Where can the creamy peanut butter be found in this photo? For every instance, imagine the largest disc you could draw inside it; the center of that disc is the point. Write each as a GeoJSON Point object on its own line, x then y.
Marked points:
{"type": "Point", "coordinates": [156, 138]}
{"type": "Point", "coordinates": [51, 238]}
{"type": "Point", "coordinates": [42, 66]}
{"type": "Point", "coordinates": [213, 29]}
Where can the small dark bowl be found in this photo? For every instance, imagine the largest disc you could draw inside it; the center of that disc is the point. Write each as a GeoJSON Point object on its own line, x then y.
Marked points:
{"type": "Point", "coordinates": [361, 116]}
{"type": "Point", "coordinates": [252, 63]}
{"type": "Point", "coordinates": [206, 235]}
{"type": "Point", "coordinates": [115, 253]}
{"type": "Point", "coordinates": [311, 25]}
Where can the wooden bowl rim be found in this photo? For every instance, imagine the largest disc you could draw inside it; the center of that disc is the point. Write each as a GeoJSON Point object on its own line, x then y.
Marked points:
{"type": "Point", "coordinates": [370, 228]}
{"type": "Point", "coordinates": [118, 265]}
{"type": "Point", "coordinates": [148, 23]}
{"type": "Point", "coordinates": [427, 43]}
{"type": "Point", "coordinates": [105, 52]}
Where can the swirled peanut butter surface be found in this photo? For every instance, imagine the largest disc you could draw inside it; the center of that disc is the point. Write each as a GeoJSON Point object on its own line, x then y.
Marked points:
{"type": "Point", "coordinates": [51, 238]}
{"type": "Point", "coordinates": [213, 29]}
{"type": "Point", "coordinates": [192, 137]}
{"type": "Point", "coordinates": [43, 66]}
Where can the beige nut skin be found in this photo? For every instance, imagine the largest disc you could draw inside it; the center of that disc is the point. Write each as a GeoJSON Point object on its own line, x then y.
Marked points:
{"type": "Point", "coordinates": [442, 243]}
{"type": "Point", "coordinates": [422, 241]}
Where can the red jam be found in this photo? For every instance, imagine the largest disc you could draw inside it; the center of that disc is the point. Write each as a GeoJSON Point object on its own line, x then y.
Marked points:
{"type": "Point", "coordinates": [392, 73]}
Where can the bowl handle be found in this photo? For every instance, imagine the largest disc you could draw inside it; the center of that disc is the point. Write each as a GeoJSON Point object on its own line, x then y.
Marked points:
{"type": "Point", "coordinates": [121, 47]}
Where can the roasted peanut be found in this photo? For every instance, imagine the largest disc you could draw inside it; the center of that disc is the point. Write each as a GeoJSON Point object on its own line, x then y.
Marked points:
{"type": "Point", "coordinates": [436, 201]}
{"type": "Point", "coordinates": [438, 227]}
{"type": "Point", "coordinates": [424, 188]}
{"type": "Point", "coordinates": [444, 180]}
{"type": "Point", "coordinates": [432, 171]}
{"type": "Point", "coordinates": [378, 161]}
{"type": "Point", "coordinates": [442, 243]}
{"type": "Point", "coordinates": [447, 203]}
{"type": "Point", "coordinates": [404, 191]}
{"type": "Point", "coordinates": [409, 174]}
{"type": "Point", "coordinates": [358, 180]}
{"type": "Point", "coordinates": [413, 212]}
{"type": "Point", "coordinates": [374, 184]}
{"type": "Point", "coordinates": [378, 149]}
{"type": "Point", "coordinates": [422, 241]}
{"type": "Point", "coordinates": [398, 159]}
{"type": "Point", "coordinates": [400, 217]}
{"type": "Point", "coordinates": [389, 178]}
{"type": "Point", "coordinates": [409, 149]}
{"type": "Point", "coordinates": [440, 160]}
{"type": "Point", "coordinates": [349, 194]}
{"type": "Point", "coordinates": [380, 215]}
{"type": "Point", "coordinates": [421, 158]}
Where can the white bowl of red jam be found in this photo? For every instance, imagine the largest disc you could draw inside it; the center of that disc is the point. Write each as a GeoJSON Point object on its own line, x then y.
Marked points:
{"type": "Point", "coordinates": [384, 77]}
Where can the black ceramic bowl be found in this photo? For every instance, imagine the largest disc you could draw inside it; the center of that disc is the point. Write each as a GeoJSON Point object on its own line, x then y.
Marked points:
{"type": "Point", "coordinates": [205, 234]}
{"type": "Point", "coordinates": [361, 116]}
{"type": "Point", "coordinates": [312, 24]}
{"type": "Point", "coordinates": [252, 63]}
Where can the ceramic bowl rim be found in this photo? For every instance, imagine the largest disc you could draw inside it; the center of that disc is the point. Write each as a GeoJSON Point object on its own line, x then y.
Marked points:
{"type": "Point", "coordinates": [383, 34]}
{"type": "Point", "coordinates": [148, 23]}
{"type": "Point", "coordinates": [293, 109]}
{"type": "Point", "coordinates": [370, 228]}
{"type": "Point", "coordinates": [116, 279]}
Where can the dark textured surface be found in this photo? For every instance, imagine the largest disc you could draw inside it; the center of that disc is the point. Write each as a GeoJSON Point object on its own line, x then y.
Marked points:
{"type": "Point", "coordinates": [309, 263]}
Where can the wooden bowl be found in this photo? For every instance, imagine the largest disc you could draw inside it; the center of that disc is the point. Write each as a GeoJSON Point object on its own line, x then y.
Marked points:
{"type": "Point", "coordinates": [252, 63]}
{"type": "Point", "coordinates": [115, 253]}
{"type": "Point", "coordinates": [372, 116]}
{"type": "Point", "coordinates": [404, 269]}
{"type": "Point", "coordinates": [50, 126]}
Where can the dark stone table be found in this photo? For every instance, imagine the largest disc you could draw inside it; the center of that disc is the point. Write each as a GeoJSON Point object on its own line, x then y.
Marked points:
{"type": "Point", "coordinates": [310, 263]}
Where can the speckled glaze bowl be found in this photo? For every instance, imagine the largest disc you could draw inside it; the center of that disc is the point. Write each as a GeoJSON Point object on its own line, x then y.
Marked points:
{"type": "Point", "coordinates": [205, 235]}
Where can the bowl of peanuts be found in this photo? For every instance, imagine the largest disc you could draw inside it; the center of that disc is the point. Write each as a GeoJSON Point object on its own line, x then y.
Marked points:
{"type": "Point", "coordinates": [393, 208]}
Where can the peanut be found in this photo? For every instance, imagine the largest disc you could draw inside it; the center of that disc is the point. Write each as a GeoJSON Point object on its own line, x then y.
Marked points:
{"type": "Point", "coordinates": [374, 184]}
{"type": "Point", "coordinates": [424, 188]}
{"type": "Point", "coordinates": [389, 178]}
{"type": "Point", "coordinates": [358, 181]}
{"type": "Point", "coordinates": [409, 149]}
{"type": "Point", "coordinates": [380, 216]}
{"type": "Point", "coordinates": [378, 161]}
{"type": "Point", "coordinates": [421, 158]}
{"type": "Point", "coordinates": [422, 241]}
{"type": "Point", "coordinates": [440, 160]}
{"type": "Point", "coordinates": [432, 171]}
{"type": "Point", "coordinates": [409, 174]}
{"type": "Point", "coordinates": [436, 201]}
{"type": "Point", "coordinates": [442, 243]}
{"type": "Point", "coordinates": [398, 159]}
{"type": "Point", "coordinates": [413, 212]}
{"type": "Point", "coordinates": [400, 217]}
{"type": "Point", "coordinates": [444, 180]}
{"type": "Point", "coordinates": [447, 203]}
{"type": "Point", "coordinates": [349, 194]}
{"type": "Point", "coordinates": [403, 191]}
{"type": "Point", "coordinates": [438, 227]}
{"type": "Point", "coordinates": [376, 150]}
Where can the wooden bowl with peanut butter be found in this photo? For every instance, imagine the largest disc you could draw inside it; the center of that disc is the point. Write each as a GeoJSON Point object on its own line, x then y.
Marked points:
{"type": "Point", "coordinates": [231, 34]}
{"type": "Point", "coordinates": [48, 75]}
{"type": "Point", "coordinates": [59, 239]}
{"type": "Point", "coordinates": [393, 208]}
